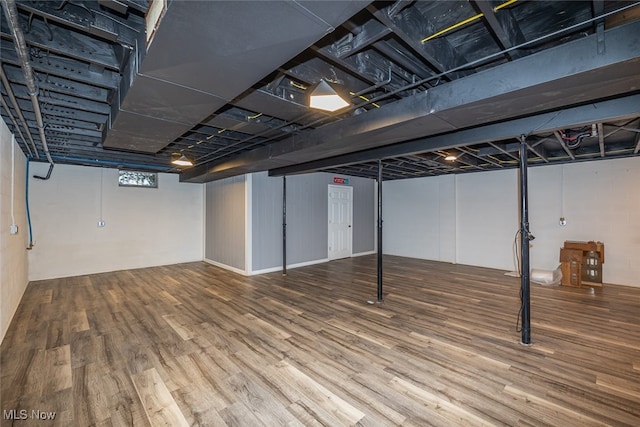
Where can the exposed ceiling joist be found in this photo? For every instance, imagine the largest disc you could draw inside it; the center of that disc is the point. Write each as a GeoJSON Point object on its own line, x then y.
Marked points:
{"type": "Point", "coordinates": [541, 123]}
{"type": "Point", "coordinates": [224, 82]}
{"type": "Point", "coordinates": [563, 144]}
{"type": "Point", "coordinates": [470, 101]}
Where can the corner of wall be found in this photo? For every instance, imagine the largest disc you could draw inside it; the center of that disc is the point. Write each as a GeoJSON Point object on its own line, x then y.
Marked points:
{"type": "Point", "coordinates": [13, 252]}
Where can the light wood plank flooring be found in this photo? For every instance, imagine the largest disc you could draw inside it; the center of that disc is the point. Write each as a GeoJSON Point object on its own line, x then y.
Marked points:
{"type": "Point", "coordinates": [192, 344]}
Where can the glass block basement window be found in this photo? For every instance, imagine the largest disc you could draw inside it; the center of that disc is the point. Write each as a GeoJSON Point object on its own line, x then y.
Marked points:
{"type": "Point", "coordinates": [138, 179]}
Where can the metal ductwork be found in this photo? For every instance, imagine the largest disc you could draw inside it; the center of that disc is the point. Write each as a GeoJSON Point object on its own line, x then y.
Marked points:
{"type": "Point", "coordinates": [231, 46]}
{"type": "Point", "coordinates": [567, 75]}
{"type": "Point", "coordinates": [11, 12]}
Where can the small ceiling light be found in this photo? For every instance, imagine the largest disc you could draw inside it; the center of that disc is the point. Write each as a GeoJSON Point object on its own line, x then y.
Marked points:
{"type": "Point", "coordinates": [327, 96]}
{"type": "Point", "coordinates": [451, 158]}
{"type": "Point", "coordinates": [182, 161]}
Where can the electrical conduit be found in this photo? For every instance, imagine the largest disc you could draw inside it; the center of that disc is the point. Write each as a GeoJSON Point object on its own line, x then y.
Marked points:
{"type": "Point", "coordinates": [11, 12]}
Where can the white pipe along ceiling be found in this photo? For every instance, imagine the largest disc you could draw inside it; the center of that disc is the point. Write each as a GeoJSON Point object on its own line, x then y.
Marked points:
{"type": "Point", "coordinates": [133, 84]}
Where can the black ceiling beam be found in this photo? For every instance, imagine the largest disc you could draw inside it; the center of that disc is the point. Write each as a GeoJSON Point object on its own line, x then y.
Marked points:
{"type": "Point", "coordinates": [428, 160]}
{"type": "Point", "coordinates": [245, 116]}
{"type": "Point", "coordinates": [64, 112]}
{"type": "Point", "coordinates": [500, 149]}
{"type": "Point", "coordinates": [479, 157]}
{"type": "Point", "coordinates": [541, 123]}
{"type": "Point", "coordinates": [51, 120]}
{"type": "Point", "coordinates": [63, 67]}
{"type": "Point", "coordinates": [341, 63]}
{"type": "Point", "coordinates": [330, 67]}
{"type": "Point", "coordinates": [60, 130]}
{"type": "Point", "coordinates": [58, 84]}
{"type": "Point", "coordinates": [365, 35]}
{"type": "Point", "coordinates": [408, 165]}
{"type": "Point", "coordinates": [115, 5]}
{"type": "Point", "coordinates": [539, 151]}
{"type": "Point", "coordinates": [85, 19]}
{"type": "Point", "coordinates": [598, 9]}
{"type": "Point", "coordinates": [440, 56]}
{"type": "Point", "coordinates": [503, 26]}
{"type": "Point", "coordinates": [67, 101]}
{"type": "Point", "coordinates": [463, 159]}
{"type": "Point", "coordinates": [72, 141]}
{"type": "Point", "coordinates": [637, 143]}
{"type": "Point", "coordinates": [400, 59]}
{"type": "Point", "coordinates": [60, 40]}
{"type": "Point", "coordinates": [578, 76]}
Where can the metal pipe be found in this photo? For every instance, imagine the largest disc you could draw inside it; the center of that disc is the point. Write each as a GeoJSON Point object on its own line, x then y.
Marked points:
{"type": "Point", "coordinates": [15, 125]}
{"type": "Point", "coordinates": [525, 236]}
{"type": "Point", "coordinates": [380, 231]}
{"type": "Point", "coordinates": [111, 163]}
{"type": "Point", "coordinates": [284, 225]}
{"type": "Point", "coordinates": [14, 102]}
{"type": "Point", "coordinates": [48, 175]}
{"type": "Point", "coordinates": [11, 11]}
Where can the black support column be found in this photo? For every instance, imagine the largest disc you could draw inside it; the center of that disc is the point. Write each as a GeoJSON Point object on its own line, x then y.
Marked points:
{"type": "Point", "coordinates": [524, 239]}
{"type": "Point", "coordinates": [379, 230]}
{"type": "Point", "coordinates": [284, 225]}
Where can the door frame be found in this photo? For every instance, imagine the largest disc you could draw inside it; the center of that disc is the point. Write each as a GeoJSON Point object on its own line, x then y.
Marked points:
{"type": "Point", "coordinates": [341, 187]}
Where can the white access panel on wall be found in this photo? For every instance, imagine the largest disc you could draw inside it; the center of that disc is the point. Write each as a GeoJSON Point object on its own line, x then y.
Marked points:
{"type": "Point", "coordinates": [340, 219]}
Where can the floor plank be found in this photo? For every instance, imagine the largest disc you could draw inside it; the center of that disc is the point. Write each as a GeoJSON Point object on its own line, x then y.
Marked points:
{"type": "Point", "coordinates": [192, 344]}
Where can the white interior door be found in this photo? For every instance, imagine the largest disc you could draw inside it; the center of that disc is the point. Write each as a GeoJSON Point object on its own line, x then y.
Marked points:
{"type": "Point", "coordinates": [340, 218]}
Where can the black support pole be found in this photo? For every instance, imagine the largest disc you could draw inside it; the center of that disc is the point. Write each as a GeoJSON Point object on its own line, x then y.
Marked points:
{"type": "Point", "coordinates": [524, 238]}
{"type": "Point", "coordinates": [284, 225]}
{"type": "Point", "coordinates": [379, 230]}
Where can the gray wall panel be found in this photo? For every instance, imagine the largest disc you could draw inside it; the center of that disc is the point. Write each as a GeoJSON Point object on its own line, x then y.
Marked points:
{"type": "Point", "coordinates": [306, 218]}
{"type": "Point", "coordinates": [364, 211]}
{"type": "Point", "coordinates": [225, 222]}
{"type": "Point", "coordinates": [267, 221]}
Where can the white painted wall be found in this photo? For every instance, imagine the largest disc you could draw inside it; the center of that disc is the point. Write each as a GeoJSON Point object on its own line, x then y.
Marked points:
{"type": "Point", "coordinates": [144, 226]}
{"type": "Point", "coordinates": [475, 216]}
{"type": "Point", "coordinates": [13, 252]}
{"type": "Point", "coordinates": [487, 218]}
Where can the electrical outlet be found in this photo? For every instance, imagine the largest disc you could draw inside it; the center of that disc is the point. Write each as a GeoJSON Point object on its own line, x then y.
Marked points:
{"type": "Point", "coordinates": [562, 221]}
{"type": "Point", "coordinates": [101, 223]}
{"type": "Point", "coordinates": [13, 229]}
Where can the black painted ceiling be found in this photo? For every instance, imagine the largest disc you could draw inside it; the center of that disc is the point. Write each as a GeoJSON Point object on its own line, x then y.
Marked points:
{"type": "Point", "coordinates": [224, 83]}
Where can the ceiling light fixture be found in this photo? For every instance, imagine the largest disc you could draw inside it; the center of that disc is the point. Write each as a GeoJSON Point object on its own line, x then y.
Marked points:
{"type": "Point", "coordinates": [451, 158]}
{"type": "Point", "coordinates": [328, 96]}
{"type": "Point", "coordinates": [182, 161]}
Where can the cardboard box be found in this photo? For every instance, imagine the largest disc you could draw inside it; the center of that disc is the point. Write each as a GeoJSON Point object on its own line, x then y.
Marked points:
{"type": "Point", "coordinates": [586, 247]}
{"type": "Point", "coordinates": [568, 255]}
{"type": "Point", "coordinates": [571, 273]}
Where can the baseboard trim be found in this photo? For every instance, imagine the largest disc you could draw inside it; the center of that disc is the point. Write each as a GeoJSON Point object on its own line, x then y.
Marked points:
{"type": "Point", "coordinates": [225, 266]}
{"type": "Point", "coordinates": [289, 267]}
{"type": "Point", "coordinates": [364, 253]}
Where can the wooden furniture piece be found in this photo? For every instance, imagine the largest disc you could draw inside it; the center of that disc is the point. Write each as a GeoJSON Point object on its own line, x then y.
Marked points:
{"type": "Point", "coordinates": [581, 263]}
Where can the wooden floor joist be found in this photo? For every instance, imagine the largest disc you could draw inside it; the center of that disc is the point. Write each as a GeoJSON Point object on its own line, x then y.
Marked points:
{"type": "Point", "coordinates": [192, 344]}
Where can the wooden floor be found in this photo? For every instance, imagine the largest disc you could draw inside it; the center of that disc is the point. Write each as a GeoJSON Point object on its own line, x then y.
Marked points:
{"type": "Point", "coordinates": [192, 344]}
